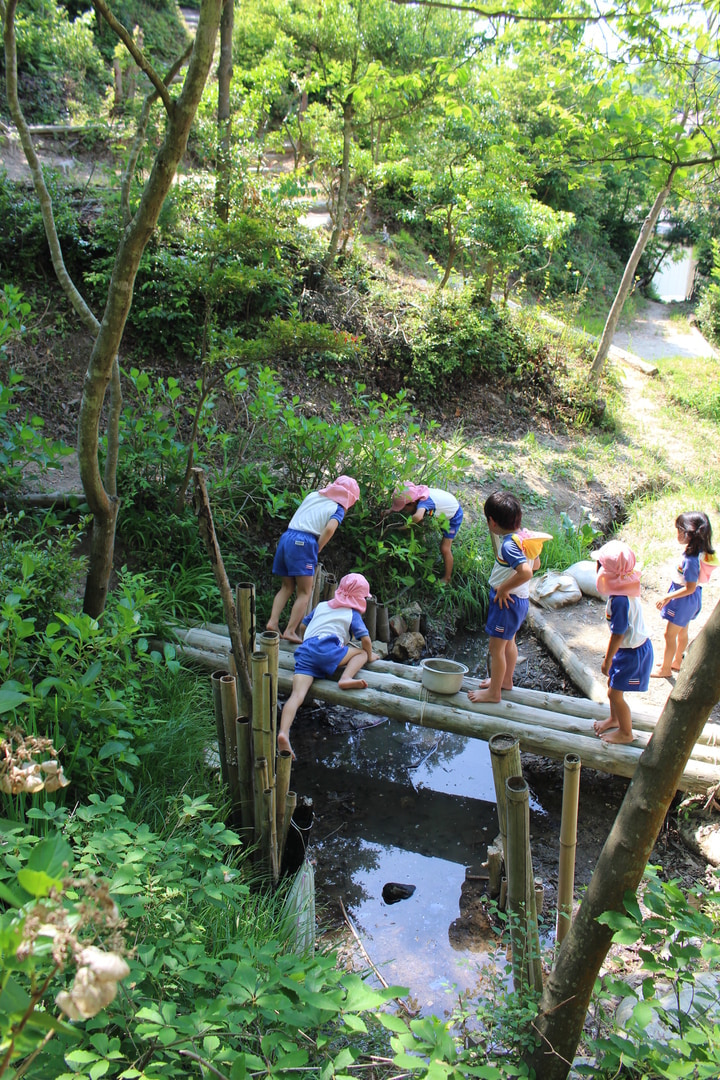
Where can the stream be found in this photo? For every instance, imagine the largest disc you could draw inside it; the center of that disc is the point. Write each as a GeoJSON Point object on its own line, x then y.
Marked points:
{"type": "Point", "coordinates": [396, 803]}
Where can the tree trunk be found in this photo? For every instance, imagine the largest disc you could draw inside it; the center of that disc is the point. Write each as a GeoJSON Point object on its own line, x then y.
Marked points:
{"type": "Point", "coordinates": [348, 113]}
{"type": "Point", "coordinates": [181, 113]}
{"type": "Point", "coordinates": [564, 1003]}
{"type": "Point", "coordinates": [224, 122]}
{"type": "Point", "coordinates": [629, 275]}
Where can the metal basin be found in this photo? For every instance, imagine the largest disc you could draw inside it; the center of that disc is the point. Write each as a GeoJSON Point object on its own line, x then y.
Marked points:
{"type": "Point", "coordinates": [442, 676]}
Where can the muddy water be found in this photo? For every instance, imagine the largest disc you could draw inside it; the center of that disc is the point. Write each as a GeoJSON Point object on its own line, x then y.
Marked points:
{"type": "Point", "coordinates": [399, 804]}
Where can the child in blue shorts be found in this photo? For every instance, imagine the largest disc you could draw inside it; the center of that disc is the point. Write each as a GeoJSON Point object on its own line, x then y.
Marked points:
{"type": "Point", "coordinates": [683, 600]}
{"type": "Point", "coordinates": [311, 527]}
{"type": "Point", "coordinates": [425, 502]}
{"type": "Point", "coordinates": [324, 648]}
{"type": "Point", "coordinates": [629, 655]}
{"type": "Point", "coordinates": [509, 592]}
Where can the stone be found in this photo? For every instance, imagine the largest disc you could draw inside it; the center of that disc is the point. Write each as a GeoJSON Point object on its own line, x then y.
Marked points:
{"type": "Point", "coordinates": [408, 646]}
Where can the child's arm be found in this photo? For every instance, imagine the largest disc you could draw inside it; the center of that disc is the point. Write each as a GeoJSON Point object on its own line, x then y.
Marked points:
{"type": "Point", "coordinates": [687, 590]}
{"type": "Point", "coordinates": [523, 573]}
{"type": "Point", "coordinates": [419, 514]}
{"type": "Point", "coordinates": [327, 533]}
{"type": "Point", "coordinates": [613, 646]}
{"type": "Point", "coordinates": [366, 645]}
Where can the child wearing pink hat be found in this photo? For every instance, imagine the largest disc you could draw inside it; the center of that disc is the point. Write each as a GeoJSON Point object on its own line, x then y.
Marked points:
{"type": "Point", "coordinates": [629, 655]}
{"type": "Point", "coordinates": [324, 649]}
{"type": "Point", "coordinates": [312, 525]}
{"type": "Point", "coordinates": [425, 502]}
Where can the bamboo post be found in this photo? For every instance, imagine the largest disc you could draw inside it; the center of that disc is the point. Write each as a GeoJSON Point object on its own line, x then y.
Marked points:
{"type": "Point", "coordinates": [290, 805]}
{"type": "Point", "coordinates": [526, 962]}
{"type": "Point", "coordinates": [245, 601]}
{"type": "Point", "coordinates": [243, 733]}
{"type": "Point", "coordinates": [382, 623]}
{"type": "Point", "coordinates": [269, 643]}
{"type": "Point", "coordinates": [568, 844]}
{"type": "Point", "coordinates": [259, 668]}
{"type": "Point", "coordinates": [228, 696]}
{"type": "Point", "coordinates": [282, 787]}
{"type": "Point", "coordinates": [268, 741]}
{"type": "Point", "coordinates": [370, 619]}
{"type": "Point", "coordinates": [505, 760]}
{"type": "Point", "coordinates": [206, 527]}
{"type": "Point", "coordinates": [271, 812]}
{"type": "Point", "coordinates": [330, 586]}
{"type": "Point", "coordinates": [316, 591]}
{"type": "Point", "coordinates": [259, 786]}
{"type": "Point", "coordinates": [494, 862]}
{"type": "Point", "coordinates": [219, 725]}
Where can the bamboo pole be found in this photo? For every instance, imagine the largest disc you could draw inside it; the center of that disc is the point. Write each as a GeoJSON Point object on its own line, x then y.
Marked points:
{"type": "Point", "coordinates": [370, 619]}
{"type": "Point", "coordinates": [330, 587]}
{"type": "Point", "coordinates": [270, 826]}
{"type": "Point", "coordinates": [505, 760]}
{"type": "Point", "coordinates": [219, 725]}
{"type": "Point", "coordinates": [568, 844]}
{"type": "Point", "coordinates": [526, 962]}
{"type": "Point", "coordinates": [269, 643]}
{"type": "Point", "coordinates": [206, 527]}
{"type": "Point", "coordinates": [282, 786]}
{"type": "Point", "coordinates": [382, 623]}
{"type": "Point", "coordinates": [228, 695]}
{"type": "Point", "coordinates": [316, 591]}
{"type": "Point", "coordinates": [268, 742]}
{"type": "Point", "coordinates": [290, 805]}
{"type": "Point", "coordinates": [245, 600]}
{"type": "Point", "coordinates": [259, 668]}
{"type": "Point", "coordinates": [259, 786]}
{"type": "Point", "coordinates": [243, 732]}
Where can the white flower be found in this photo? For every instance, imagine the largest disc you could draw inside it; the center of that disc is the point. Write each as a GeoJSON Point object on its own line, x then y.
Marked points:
{"type": "Point", "coordinates": [104, 965]}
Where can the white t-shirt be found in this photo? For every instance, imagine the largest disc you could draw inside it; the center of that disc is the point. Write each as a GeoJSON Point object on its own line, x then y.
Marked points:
{"type": "Point", "coordinates": [326, 621]}
{"type": "Point", "coordinates": [314, 512]}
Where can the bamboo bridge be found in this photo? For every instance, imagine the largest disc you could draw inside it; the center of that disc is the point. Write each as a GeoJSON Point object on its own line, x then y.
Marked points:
{"type": "Point", "coordinates": [550, 725]}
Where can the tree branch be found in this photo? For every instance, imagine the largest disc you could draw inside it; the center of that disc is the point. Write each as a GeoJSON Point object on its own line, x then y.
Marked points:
{"type": "Point", "coordinates": [137, 54]}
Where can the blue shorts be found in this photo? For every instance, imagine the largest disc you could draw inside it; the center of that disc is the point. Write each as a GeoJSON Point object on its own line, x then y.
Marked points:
{"type": "Point", "coordinates": [506, 621]}
{"type": "Point", "coordinates": [454, 524]}
{"type": "Point", "coordinates": [296, 555]}
{"type": "Point", "coordinates": [320, 657]}
{"type": "Point", "coordinates": [630, 668]}
{"type": "Point", "coordinates": [680, 612]}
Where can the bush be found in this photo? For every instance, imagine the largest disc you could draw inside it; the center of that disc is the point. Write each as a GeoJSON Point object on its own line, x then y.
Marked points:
{"type": "Point", "coordinates": [708, 309]}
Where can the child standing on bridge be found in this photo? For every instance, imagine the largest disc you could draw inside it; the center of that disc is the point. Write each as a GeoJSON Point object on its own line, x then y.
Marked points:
{"type": "Point", "coordinates": [629, 655]}
{"type": "Point", "coordinates": [426, 502]}
{"type": "Point", "coordinates": [683, 600]}
{"type": "Point", "coordinates": [325, 648]}
{"type": "Point", "coordinates": [311, 527]}
{"type": "Point", "coordinates": [509, 592]}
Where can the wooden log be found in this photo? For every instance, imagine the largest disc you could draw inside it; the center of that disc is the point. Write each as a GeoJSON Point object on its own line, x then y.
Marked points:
{"type": "Point", "coordinates": [555, 643]}
{"type": "Point", "coordinates": [568, 844]}
{"type": "Point", "coordinates": [527, 965]}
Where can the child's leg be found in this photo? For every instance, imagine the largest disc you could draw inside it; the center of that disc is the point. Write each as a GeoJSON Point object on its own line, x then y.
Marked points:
{"type": "Point", "coordinates": [281, 598]}
{"type": "Point", "coordinates": [620, 709]}
{"type": "Point", "coordinates": [680, 646]}
{"type": "Point", "coordinates": [511, 655]}
{"type": "Point", "coordinates": [300, 685]}
{"type": "Point", "coordinates": [354, 660]}
{"type": "Point", "coordinates": [447, 555]}
{"type": "Point", "coordinates": [664, 669]}
{"type": "Point", "coordinates": [601, 726]}
{"type": "Point", "coordinates": [299, 609]}
{"type": "Point", "coordinates": [491, 690]}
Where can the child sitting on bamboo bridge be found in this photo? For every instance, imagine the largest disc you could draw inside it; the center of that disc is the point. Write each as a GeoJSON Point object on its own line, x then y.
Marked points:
{"type": "Point", "coordinates": [325, 649]}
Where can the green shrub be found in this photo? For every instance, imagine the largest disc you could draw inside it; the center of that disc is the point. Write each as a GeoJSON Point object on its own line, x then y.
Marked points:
{"type": "Point", "coordinates": [708, 309]}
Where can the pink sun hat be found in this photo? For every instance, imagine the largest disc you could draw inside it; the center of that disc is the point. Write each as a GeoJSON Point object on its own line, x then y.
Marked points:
{"type": "Point", "coordinates": [352, 591]}
{"type": "Point", "coordinates": [410, 493]}
{"type": "Point", "coordinates": [344, 490]}
{"type": "Point", "coordinates": [617, 575]}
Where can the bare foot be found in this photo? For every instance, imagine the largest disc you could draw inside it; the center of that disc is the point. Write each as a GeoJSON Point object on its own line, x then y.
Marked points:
{"type": "Point", "coordinates": [290, 635]}
{"type": "Point", "coordinates": [284, 744]}
{"type": "Point", "coordinates": [269, 625]}
{"type": "Point", "coordinates": [352, 684]}
{"type": "Point", "coordinates": [601, 726]}
{"type": "Point", "coordinates": [660, 674]}
{"type": "Point", "coordinates": [618, 736]}
{"type": "Point", "coordinates": [483, 694]}
{"type": "Point", "coordinates": [484, 683]}
{"type": "Point", "coordinates": [675, 667]}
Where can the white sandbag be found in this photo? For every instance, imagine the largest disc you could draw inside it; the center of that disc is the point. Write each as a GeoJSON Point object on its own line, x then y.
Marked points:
{"type": "Point", "coordinates": [554, 590]}
{"type": "Point", "coordinates": [585, 573]}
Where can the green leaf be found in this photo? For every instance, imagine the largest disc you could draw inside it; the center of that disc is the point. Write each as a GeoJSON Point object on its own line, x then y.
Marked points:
{"type": "Point", "coordinates": [239, 1068]}
{"type": "Point", "coordinates": [10, 699]}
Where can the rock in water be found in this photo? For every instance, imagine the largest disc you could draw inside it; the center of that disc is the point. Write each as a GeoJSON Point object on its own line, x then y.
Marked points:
{"type": "Point", "coordinates": [393, 891]}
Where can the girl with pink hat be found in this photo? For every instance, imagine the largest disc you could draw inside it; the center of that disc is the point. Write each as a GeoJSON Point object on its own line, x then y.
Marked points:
{"type": "Point", "coordinates": [629, 655]}
{"type": "Point", "coordinates": [683, 600]}
{"type": "Point", "coordinates": [426, 502]}
{"type": "Point", "coordinates": [311, 527]}
{"type": "Point", "coordinates": [325, 649]}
